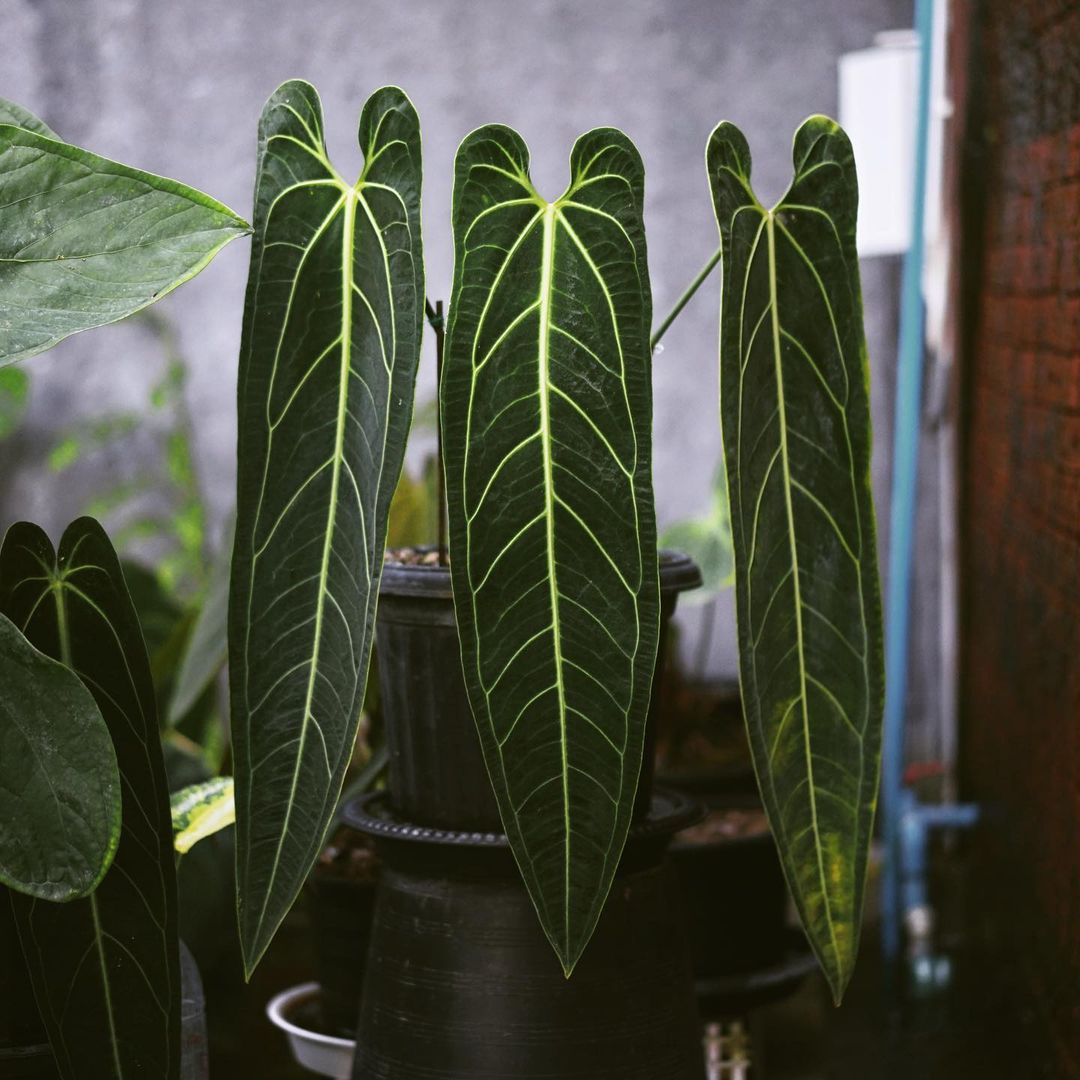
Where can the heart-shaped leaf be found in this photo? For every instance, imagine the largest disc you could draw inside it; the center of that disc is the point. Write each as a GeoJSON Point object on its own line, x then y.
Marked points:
{"type": "Point", "coordinates": [59, 784]}
{"type": "Point", "coordinates": [795, 414]}
{"type": "Point", "coordinates": [105, 969]}
{"type": "Point", "coordinates": [546, 409]}
{"type": "Point", "coordinates": [327, 367]}
{"type": "Point", "coordinates": [86, 241]}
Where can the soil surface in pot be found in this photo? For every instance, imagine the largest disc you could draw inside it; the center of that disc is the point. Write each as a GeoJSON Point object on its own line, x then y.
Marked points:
{"type": "Point", "coordinates": [410, 556]}
{"type": "Point", "coordinates": [730, 824]}
{"type": "Point", "coordinates": [348, 857]}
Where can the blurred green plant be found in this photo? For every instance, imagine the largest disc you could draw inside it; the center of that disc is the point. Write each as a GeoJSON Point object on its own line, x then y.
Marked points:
{"type": "Point", "coordinates": [162, 504]}
{"type": "Point", "coordinates": [14, 397]}
{"type": "Point", "coordinates": [706, 538]}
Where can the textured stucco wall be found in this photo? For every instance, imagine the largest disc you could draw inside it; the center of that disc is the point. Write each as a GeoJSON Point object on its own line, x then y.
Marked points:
{"type": "Point", "coordinates": [177, 88]}
{"type": "Point", "coordinates": [1021, 669]}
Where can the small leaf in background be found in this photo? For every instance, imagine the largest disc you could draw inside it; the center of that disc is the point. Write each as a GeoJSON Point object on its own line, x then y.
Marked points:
{"type": "Point", "coordinates": [154, 511]}
{"type": "Point", "coordinates": [207, 645]}
{"type": "Point", "coordinates": [87, 241]}
{"type": "Point", "coordinates": [707, 540]}
{"type": "Point", "coordinates": [59, 784]}
{"type": "Point", "coordinates": [413, 509]}
{"type": "Point", "coordinates": [65, 453]}
{"type": "Point", "coordinates": [105, 969]}
{"type": "Point", "coordinates": [14, 396]}
{"type": "Point", "coordinates": [313, 495]}
{"type": "Point", "coordinates": [795, 417]}
{"type": "Point", "coordinates": [547, 414]}
{"type": "Point", "coordinates": [201, 810]}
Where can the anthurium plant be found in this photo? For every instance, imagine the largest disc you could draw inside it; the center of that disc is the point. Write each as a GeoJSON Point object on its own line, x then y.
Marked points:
{"type": "Point", "coordinates": [546, 410]}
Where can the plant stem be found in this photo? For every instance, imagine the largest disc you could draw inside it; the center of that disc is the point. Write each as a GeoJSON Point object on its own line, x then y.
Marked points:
{"type": "Point", "coordinates": [440, 484]}
{"type": "Point", "coordinates": [686, 297]}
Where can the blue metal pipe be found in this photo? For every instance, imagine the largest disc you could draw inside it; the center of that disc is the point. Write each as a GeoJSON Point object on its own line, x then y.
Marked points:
{"type": "Point", "coordinates": [902, 511]}
{"type": "Point", "coordinates": [916, 822]}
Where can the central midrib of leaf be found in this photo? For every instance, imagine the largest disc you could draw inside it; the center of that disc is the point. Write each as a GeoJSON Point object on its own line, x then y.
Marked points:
{"type": "Point", "coordinates": [58, 587]}
{"type": "Point", "coordinates": [544, 380]}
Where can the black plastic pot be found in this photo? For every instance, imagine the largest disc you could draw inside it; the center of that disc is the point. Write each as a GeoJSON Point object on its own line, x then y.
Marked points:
{"type": "Point", "coordinates": [735, 902]}
{"type": "Point", "coordinates": [24, 1062]}
{"type": "Point", "coordinates": [437, 774]}
{"type": "Point", "coordinates": [340, 909]}
{"type": "Point", "coordinates": [461, 983]}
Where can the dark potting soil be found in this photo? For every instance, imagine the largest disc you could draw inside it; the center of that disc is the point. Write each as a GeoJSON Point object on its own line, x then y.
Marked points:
{"type": "Point", "coordinates": [349, 857]}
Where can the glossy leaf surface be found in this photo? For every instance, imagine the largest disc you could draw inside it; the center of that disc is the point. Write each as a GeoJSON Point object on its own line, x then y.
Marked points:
{"type": "Point", "coordinates": [328, 362]}
{"type": "Point", "coordinates": [16, 115]}
{"type": "Point", "coordinates": [59, 784]}
{"type": "Point", "coordinates": [796, 425]}
{"type": "Point", "coordinates": [105, 969]}
{"type": "Point", "coordinates": [546, 410]}
{"type": "Point", "coordinates": [86, 241]}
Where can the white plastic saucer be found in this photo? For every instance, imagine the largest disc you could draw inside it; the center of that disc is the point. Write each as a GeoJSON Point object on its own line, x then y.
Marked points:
{"type": "Point", "coordinates": [325, 1055]}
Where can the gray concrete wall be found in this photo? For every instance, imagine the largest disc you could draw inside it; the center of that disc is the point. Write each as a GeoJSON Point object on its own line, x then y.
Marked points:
{"type": "Point", "coordinates": [177, 88]}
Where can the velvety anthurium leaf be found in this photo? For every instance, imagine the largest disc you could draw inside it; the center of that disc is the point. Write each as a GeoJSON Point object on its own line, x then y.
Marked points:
{"type": "Point", "coordinates": [795, 415]}
{"type": "Point", "coordinates": [546, 412]}
{"type": "Point", "coordinates": [331, 342]}
{"type": "Point", "coordinates": [59, 784]}
{"type": "Point", "coordinates": [201, 810]}
{"type": "Point", "coordinates": [106, 968]}
{"type": "Point", "coordinates": [86, 241]}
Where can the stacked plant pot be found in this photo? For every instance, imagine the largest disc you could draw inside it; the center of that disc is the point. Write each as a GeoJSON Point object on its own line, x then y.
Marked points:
{"type": "Point", "coordinates": [460, 980]}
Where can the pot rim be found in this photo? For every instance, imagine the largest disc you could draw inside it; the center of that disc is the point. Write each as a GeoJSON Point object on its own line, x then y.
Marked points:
{"type": "Point", "coordinates": [678, 573]}
{"type": "Point", "coordinates": [25, 1051]}
{"type": "Point", "coordinates": [371, 814]}
{"type": "Point", "coordinates": [281, 1004]}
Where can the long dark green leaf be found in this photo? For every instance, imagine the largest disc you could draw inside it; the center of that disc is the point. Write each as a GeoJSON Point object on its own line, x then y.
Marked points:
{"type": "Point", "coordinates": [547, 406]}
{"type": "Point", "coordinates": [796, 425]}
{"type": "Point", "coordinates": [86, 241]}
{"type": "Point", "coordinates": [327, 368]}
{"type": "Point", "coordinates": [105, 969]}
{"type": "Point", "coordinates": [59, 784]}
